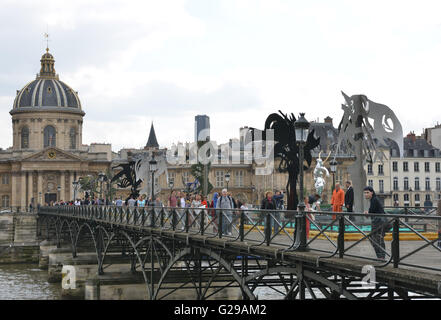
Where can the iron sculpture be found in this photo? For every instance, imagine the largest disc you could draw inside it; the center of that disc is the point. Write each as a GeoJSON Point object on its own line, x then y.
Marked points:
{"type": "Point", "coordinates": [286, 149]}
{"type": "Point", "coordinates": [363, 139]}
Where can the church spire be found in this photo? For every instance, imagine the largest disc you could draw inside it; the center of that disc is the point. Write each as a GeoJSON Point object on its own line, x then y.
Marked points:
{"type": "Point", "coordinates": [152, 142]}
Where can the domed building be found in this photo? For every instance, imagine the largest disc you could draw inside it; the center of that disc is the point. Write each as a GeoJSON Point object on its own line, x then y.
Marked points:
{"type": "Point", "coordinates": [47, 154]}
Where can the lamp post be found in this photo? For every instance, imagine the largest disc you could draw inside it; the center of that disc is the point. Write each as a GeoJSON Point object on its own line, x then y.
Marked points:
{"type": "Point", "coordinates": [59, 192]}
{"type": "Point", "coordinates": [227, 178]}
{"type": "Point", "coordinates": [333, 165]}
{"type": "Point", "coordinates": [253, 190]}
{"type": "Point", "coordinates": [75, 188]}
{"type": "Point", "coordinates": [301, 127]}
{"type": "Point", "coordinates": [101, 177]}
{"type": "Point", "coordinates": [152, 167]}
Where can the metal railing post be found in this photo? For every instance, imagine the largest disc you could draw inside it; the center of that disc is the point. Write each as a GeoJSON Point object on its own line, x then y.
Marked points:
{"type": "Point", "coordinates": [161, 222]}
{"type": "Point", "coordinates": [174, 219]}
{"type": "Point", "coordinates": [268, 228]}
{"type": "Point", "coordinates": [341, 236]}
{"type": "Point", "coordinates": [220, 227]}
{"type": "Point", "coordinates": [202, 222]}
{"type": "Point", "coordinates": [406, 212]}
{"type": "Point", "coordinates": [152, 217]}
{"type": "Point", "coordinates": [396, 242]}
{"type": "Point", "coordinates": [187, 220]}
{"type": "Point", "coordinates": [242, 226]}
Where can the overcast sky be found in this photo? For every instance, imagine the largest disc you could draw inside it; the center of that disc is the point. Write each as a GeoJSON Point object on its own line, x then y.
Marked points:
{"type": "Point", "coordinates": [134, 62]}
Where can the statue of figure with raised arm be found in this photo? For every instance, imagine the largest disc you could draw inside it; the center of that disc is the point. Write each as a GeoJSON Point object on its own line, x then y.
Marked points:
{"type": "Point", "coordinates": [319, 175]}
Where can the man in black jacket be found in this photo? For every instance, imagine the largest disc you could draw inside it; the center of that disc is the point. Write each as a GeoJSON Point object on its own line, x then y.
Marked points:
{"type": "Point", "coordinates": [349, 199]}
{"type": "Point", "coordinates": [378, 223]}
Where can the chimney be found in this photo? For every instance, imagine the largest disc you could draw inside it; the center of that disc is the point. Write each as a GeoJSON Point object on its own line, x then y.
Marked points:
{"type": "Point", "coordinates": [412, 136]}
{"type": "Point", "coordinates": [328, 119]}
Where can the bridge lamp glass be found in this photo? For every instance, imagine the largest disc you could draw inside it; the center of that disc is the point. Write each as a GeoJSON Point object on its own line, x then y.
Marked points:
{"type": "Point", "coordinates": [301, 127]}
{"type": "Point", "coordinates": [171, 184]}
{"type": "Point", "coordinates": [101, 176]}
{"type": "Point", "coordinates": [333, 165]}
{"type": "Point", "coordinates": [153, 165]}
{"type": "Point", "coordinates": [227, 177]}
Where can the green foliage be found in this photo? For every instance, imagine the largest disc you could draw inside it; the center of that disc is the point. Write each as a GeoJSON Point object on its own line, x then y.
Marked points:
{"type": "Point", "coordinates": [197, 170]}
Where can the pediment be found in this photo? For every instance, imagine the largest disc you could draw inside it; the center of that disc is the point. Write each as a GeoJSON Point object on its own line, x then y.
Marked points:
{"type": "Point", "coordinates": [53, 154]}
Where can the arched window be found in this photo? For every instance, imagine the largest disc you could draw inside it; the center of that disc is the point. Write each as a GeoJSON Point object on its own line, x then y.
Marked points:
{"type": "Point", "coordinates": [73, 138]}
{"type": "Point", "coordinates": [24, 137]}
{"type": "Point", "coordinates": [49, 136]}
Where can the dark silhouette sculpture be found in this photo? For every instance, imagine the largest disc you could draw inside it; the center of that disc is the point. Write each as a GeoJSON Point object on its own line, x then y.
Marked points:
{"type": "Point", "coordinates": [127, 177]}
{"type": "Point", "coordinates": [285, 148]}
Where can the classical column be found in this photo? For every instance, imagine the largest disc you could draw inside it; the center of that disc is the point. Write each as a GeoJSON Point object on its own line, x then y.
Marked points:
{"type": "Point", "coordinates": [71, 180]}
{"type": "Point", "coordinates": [13, 189]}
{"type": "Point", "coordinates": [30, 188]}
{"type": "Point", "coordinates": [40, 193]}
{"type": "Point", "coordinates": [23, 190]}
{"type": "Point", "coordinates": [62, 185]}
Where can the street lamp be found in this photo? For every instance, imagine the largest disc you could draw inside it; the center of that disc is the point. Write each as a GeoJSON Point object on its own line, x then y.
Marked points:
{"type": "Point", "coordinates": [101, 178]}
{"type": "Point", "coordinates": [333, 165]}
{"type": "Point", "coordinates": [59, 191]}
{"type": "Point", "coordinates": [75, 188]}
{"type": "Point", "coordinates": [153, 166]}
{"type": "Point", "coordinates": [170, 185]}
{"type": "Point", "coordinates": [301, 127]}
{"type": "Point", "coordinates": [227, 178]}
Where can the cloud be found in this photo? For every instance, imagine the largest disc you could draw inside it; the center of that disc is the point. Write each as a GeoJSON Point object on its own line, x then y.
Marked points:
{"type": "Point", "coordinates": [235, 60]}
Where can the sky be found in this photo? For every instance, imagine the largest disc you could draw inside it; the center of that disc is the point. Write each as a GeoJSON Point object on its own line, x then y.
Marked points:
{"type": "Point", "coordinates": [237, 61]}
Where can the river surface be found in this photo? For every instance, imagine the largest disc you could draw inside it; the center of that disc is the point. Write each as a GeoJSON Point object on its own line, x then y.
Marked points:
{"type": "Point", "coordinates": [26, 282]}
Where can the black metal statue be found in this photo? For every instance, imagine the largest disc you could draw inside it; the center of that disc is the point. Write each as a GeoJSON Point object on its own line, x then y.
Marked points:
{"type": "Point", "coordinates": [127, 177]}
{"type": "Point", "coordinates": [287, 150]}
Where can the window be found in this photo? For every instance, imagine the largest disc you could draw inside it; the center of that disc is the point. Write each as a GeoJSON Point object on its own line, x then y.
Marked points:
{"type": "Point", "coordinates": [438, 184]}
{"type": "Point", "coordinates": [5, 201]}
{"type": "Point", "coordinates": [395, 166]}
{"type": "Point", "coordinates": [5, 178]}
{"type": "Point", "coordinates": [380, 169]}
{"type": "Point", "coordinates": [417, 197]}
{"type": "Point", "coordinates": [406, 183]}
{"type": "Point", "coordinates": [369, 169]}
{"type": "Point", "coordinates": [73, 138]}
{"type": "Point", "coordinates": [395, 183]}
{"type": "Point", "coordinates": [437, 167]}
{"type": "Point", "coordinates": [405, 166]}
{"type": "Point", "coordinates": [395, 197]}
{"type": "Point", "coordinates": [219, 179]}
{"type": "Point", "coordinates": [406, 197]}
{"type": "Point", "coordinates": [428, 184]}
{"type": "Point", "coordinates": [427, 166]}
{"type": "Point", "coordinates": [381, 185]}
{"type": "Point", "coordinates": [416, 166]}
{"type": "Point", "coordinates": [171, 178]}
{"type": "Point", "coordinates": [49, 136]}
{"type": "Point", "coordinates": [185, 177]}
{"type": "Point", "coordinates": [417, 183]}
{"type": "Point", "coordinates": [428, 197]}
{"type": "Point", "coordinates": [371, 183]}
{"type": "Point", "coordinates": [24, 137]}
{"type": "Point", "coordinates": [238, 178]}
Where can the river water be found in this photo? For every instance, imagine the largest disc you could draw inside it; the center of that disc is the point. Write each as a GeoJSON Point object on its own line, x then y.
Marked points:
{"type": "Point", "coordinates": [26, 282]}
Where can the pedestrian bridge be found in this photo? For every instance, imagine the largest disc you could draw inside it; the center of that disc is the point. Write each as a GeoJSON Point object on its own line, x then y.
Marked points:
{"type": "Point", "coordinates": [206, 251]}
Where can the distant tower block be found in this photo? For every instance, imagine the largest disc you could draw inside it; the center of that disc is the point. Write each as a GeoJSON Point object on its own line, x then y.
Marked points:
{"type": "Point", "coordinates": [201, 128]}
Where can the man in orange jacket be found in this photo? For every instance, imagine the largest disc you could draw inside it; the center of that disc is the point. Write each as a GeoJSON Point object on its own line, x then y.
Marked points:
{"type": "Point", "coordinates": [338, 199]}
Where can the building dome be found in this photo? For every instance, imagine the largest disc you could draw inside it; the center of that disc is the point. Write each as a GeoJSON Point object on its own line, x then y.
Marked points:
{"type": "Point", "coordinates": [47, 92]}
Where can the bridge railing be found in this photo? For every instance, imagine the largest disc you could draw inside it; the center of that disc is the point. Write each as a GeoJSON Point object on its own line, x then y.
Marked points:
{"type": "Point", "coordinates": [415, 238]}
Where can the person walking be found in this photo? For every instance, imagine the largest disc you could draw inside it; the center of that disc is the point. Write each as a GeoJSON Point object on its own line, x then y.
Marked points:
{"type": "Point", "coordinates": [268, 204]}
{"type": "Point", "coordinates": [214, 213]}
{"type": "Point", "coordinates": [141, 202]}
{"type": "Point", "coordinates": [131, 202]}
{"type": "Point", "coordinates": [225, 202]}
{"type": "Point", "coordinates": [172, 200]}
{"type": "Point", "coordinates": [119, 202]}
{"type": "Point", "coordinates": [349, 199]}
{"type": "Point", "coordinates": [337, 200]}
{"type": "Point", "coordinates": [278, 201]}
{"type": "Point", "coordinates": [377, 223]}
